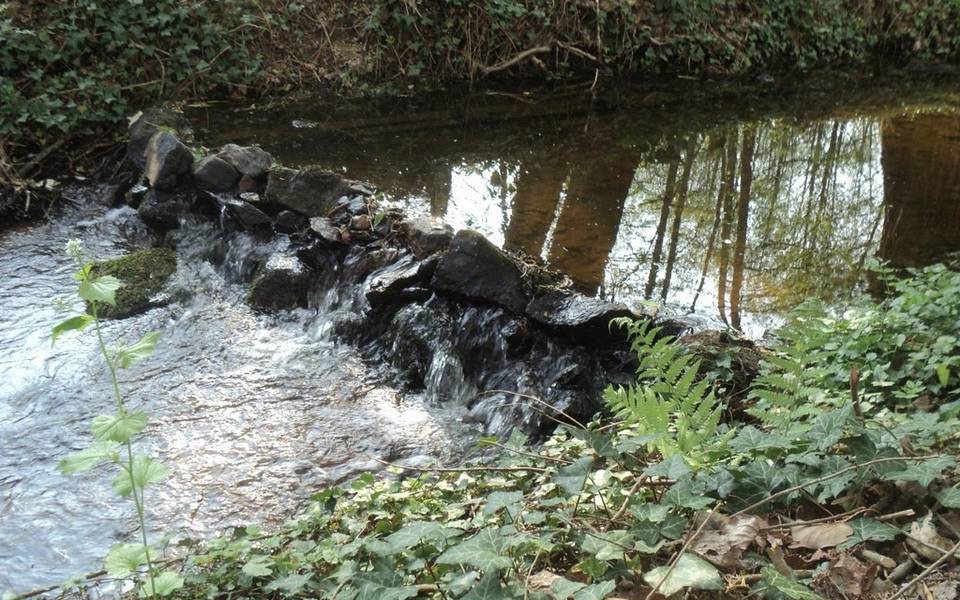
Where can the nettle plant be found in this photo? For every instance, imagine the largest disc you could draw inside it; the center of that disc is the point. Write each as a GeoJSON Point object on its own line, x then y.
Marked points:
{"type": "Point", "coordinates": [113, 433]}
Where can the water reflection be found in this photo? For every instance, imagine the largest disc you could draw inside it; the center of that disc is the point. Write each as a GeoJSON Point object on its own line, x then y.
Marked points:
{"type": "Point", "coordinates": [730, 218]}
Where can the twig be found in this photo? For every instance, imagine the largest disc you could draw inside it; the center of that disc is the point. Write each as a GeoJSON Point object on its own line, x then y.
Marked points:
{"type": "Point", "coordinates": [512, 61]}
{"type": "Point", "coordinates": [800, 486]}
{"type": "Point", "coordinates": [559, 411]}
{"type": "Point", "coordinates": [462, 469]}
{"type": "Point", "coordinates": [840, 517]}
{"type": "Point", "coordinates": [527, 454]}
{"type": "Point", "coordinates": [926, 572]}
{"type": "Point", "coordinates": [623, 507]}
{"type": "Point", "coordinates": [686, 544]}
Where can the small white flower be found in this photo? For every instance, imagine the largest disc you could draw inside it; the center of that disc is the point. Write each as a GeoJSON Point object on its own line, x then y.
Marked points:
{"type": "Point", "coordinates": [74, 249]}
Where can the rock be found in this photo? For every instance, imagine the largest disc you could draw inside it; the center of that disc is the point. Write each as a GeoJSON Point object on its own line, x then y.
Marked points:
{"type": "Point", "coordinates": [475, 268]}
{"type": "Point", "coordinates": [247, 215]}
{"type": "Point", "coordinates": [311, 191]}
{"type": "Point", "coordinates": [252, 197]}
{"type": "Point", "coordinates": [143, 275]}
{"type": "Point", "coordinates": [215, 175]}
{"type": "Point", "coordinates": [290, 222]}
{"type": "Point", "coordinates": [135, 195]}
{"type": "Point", "coordinates": [248, 185]}
{"type": "Point", "coordinates": [426, 235]}
{"type": "Point", "coordinates": [167, 160]}
{"type": "Point", "coordinates": [325, 228]}
{"type": "Point", "coordinates": [282, 282]}
{"type": "Point", "coordinates": [250, 161]}
{"type": "Point", "coordinates": [161, 210]}
{"type": "Point", "coordinates": [360, 223]}
{"type": "Point", "coordinates": [360, 262]}
{"type": "Point", "coordinates": [582, 319]}
{"type": "Point", "coordinates": [146, 125]}
{"type": "Point", "coordinates": [392, 283]}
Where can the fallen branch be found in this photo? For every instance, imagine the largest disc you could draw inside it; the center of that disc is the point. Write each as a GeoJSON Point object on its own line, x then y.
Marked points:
{"type": "Point", "coordinates": [463, 469]}
{"type": "Point", "coordinates": [512, 61]}
{"type": "Point", "coordinates": [801, 486]}
{"type": "Point", "coordinates": [926, 572]}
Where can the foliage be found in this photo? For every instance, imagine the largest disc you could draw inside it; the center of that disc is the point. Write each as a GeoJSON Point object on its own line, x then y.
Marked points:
{"type": "Point", "coordinates": [113, 433]}
{"type": "Point", "coordinates": [672, 410]}
{"type": "Point", "coordinates": [900, 351]}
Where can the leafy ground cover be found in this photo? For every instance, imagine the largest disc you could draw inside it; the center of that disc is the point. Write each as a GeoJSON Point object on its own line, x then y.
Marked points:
{"type": "Point", "coordinates": [836, 486]}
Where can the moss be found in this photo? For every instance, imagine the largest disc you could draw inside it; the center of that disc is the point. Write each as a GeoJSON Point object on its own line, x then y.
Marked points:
{"type": "Point", "coordinates": [143, 274]}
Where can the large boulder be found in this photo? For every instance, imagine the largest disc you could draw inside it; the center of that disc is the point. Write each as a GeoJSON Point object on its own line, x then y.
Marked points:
{"type": "Point", "coordinates": [146, 124]}
{"type": "Point", "coordinates": [246, 215]}
{"type": "Point", "coordinates": [475, 268]}
{"type": "Point", "coordinates": [143, 275]}
{"type": "Point", "coordinates": [251, 161]}
{"type": "Point", "coordinates": [167, 160]}
{"type": "Point", "coordinates": [282, 282]}
{"type": "Point", "coordinates": [426, 235]}
{"type": "Point", "coordinates": [214, 174]}
{"type": "Point", "coordinates": [312, 192]}
{"type": "Point", "coordinates": [581, 319]}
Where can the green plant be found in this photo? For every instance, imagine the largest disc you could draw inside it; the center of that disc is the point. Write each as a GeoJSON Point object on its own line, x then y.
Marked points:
{"type": "Point", "coordinates": [672, 405]}
{"type": "Point", "coordinates": [114, 432]}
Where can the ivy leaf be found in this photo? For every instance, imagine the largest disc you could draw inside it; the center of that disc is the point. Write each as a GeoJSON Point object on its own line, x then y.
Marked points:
{"type": "Point", "coordinates": [687, 494]}
{"type": "Point", "coordinates": [123, 559]}
{"type": "Point", "coordinates": [487, 589]}
{"type": "Point", "coordinates": [949, 498]}
{"type": "Point", "coordinates": [597, 591]}
{"type": "Point", "coordinates": [118, 428]}
{"type": "Point", "coordinates": [925, 472]}
{"type": "Point", "coordinates": [483, 551]}
{"type": "Point", "coordinates": [572, 478]}
{"type": "Point", "coordinates": [866, 529]}
{"type": "Point", "coordinates": [786, 586]}
{"type": "Point", "coordinates": [750, 439]}
{"type": "Point", "coordinates": [689, 572]}
{"type": "Point", "coordinates": [100, 289]}
{"type": "Point", "coordinates": [498, 500]}
{"type": "Point", "coordinates": [564, 588]}
{"type": "Point", "coordinates": [828, 428]}
{"type": "Point", "coordinates": [611, 545]}
{"type": "Point", "coordinates": [163, 584]}
{"type": "Point", "coordinates": [88, 458]}
{"type": "Point", "coordinates": [673, 467]}
{"type": "Point", "coordinates": [258, 566]}
{"type": "Point", "coordinates": [602, 444]}
{"type": "Point", "coordinates": [146, 471]}
{"type": "Point", "coordinates": [288, 584]}
{"type": "Point", "coordinates": [77, 323]}
{"type": "Point", "coordinates": [127, 355]}
{"type": "Point", "coordinates": [756, 481]}
{"type": "Point", "coordinates": [420, 531]}
{"type": "Point", "coordinates": [382, 585]}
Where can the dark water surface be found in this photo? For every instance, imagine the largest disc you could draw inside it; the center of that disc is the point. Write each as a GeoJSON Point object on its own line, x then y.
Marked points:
{"type": "Point", "coordinates": [731, 207]}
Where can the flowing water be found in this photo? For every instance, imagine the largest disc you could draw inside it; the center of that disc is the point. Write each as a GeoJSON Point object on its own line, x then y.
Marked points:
{"type": "Point", "coordinates": [731, 209]}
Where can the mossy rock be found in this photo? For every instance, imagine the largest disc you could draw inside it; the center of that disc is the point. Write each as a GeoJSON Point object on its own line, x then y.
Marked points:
{"type": "Point", "coordinates": [143, 274]}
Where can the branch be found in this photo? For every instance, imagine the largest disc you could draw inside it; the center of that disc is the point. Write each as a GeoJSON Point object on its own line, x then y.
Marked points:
{"type": "Point", "coordinates": [512, 61]}
{"type": "Point", "coordinates": [800, 486]}
{"type": "Point", "coordinates": [926, 572]}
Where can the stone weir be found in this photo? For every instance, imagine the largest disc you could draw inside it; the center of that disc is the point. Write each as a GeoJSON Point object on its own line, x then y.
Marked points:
{"type": "Point", "coordinates": [451, 312]}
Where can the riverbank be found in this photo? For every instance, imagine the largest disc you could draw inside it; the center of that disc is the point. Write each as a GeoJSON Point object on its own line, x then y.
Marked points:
{"type": "Point", "coordinates": [192, 50]}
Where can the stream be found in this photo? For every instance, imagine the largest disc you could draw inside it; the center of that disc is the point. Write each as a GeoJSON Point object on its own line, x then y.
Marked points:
{"type": "Point", "coordinates": [730, 213]}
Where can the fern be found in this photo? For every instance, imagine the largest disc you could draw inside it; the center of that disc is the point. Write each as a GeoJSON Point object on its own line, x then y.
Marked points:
{"type": "Point", "coordinates": [671, 407]}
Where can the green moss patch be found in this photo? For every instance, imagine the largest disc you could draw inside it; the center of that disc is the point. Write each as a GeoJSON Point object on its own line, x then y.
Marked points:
{"type": "Point", "coordinates": [143, 274]}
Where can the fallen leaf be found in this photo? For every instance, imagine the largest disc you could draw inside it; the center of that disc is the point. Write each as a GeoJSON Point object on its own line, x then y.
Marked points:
{"type": "Point", "coordinates": [925, 531]}
{"type": "Point", "coordinates": [816, 537]}
{"type": "Point", "coordinates": [724, 546]}
{"type": "Point", "coordinates": [689, 572]}
{"type": "Point", "coordinates": [853, 578]}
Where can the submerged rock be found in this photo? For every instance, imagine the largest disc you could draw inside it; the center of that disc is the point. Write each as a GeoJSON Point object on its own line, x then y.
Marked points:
{"type": "Point", "coordinates": [215, 175]}
{"type": "Point", "coordinates": [161, 210]}
{"type": "Point", "coordinates": [475, 268]}
{"type": "Point", "coordinates": [167, 159]}
{"type": "Point", "coordinates": [142, 274]}
{"type": "Point", "coordinates": [146, 125]}
{"type": "Point", "coordinates": [426, 236]}
{"type": "Point", "coordinates": [312, 192]}
{"type": "Point", "coordinates": [582, 319]}
{"type": "Point", "coordinates": [282, 282]}
{"type": "Point", "coordinates": [250, 161]}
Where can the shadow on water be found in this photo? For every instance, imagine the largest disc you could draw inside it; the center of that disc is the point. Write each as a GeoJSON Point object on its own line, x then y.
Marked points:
{"type": "Point", "coordinates": [731, 207]}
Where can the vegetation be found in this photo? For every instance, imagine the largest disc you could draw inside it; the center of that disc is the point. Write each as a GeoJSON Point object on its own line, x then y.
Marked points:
{"type": "Point", "coordinates": [114, 432]}
{"type": "Point", "coordinates": [824, 495]}
{"type": "Point", "coordinates": [81, 67]}
{"type": "Point", "coordinates": [143, 274]}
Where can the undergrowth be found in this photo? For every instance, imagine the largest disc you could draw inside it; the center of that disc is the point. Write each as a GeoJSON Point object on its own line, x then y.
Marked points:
{"type": "Point", "coordinates": [826, 494]}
